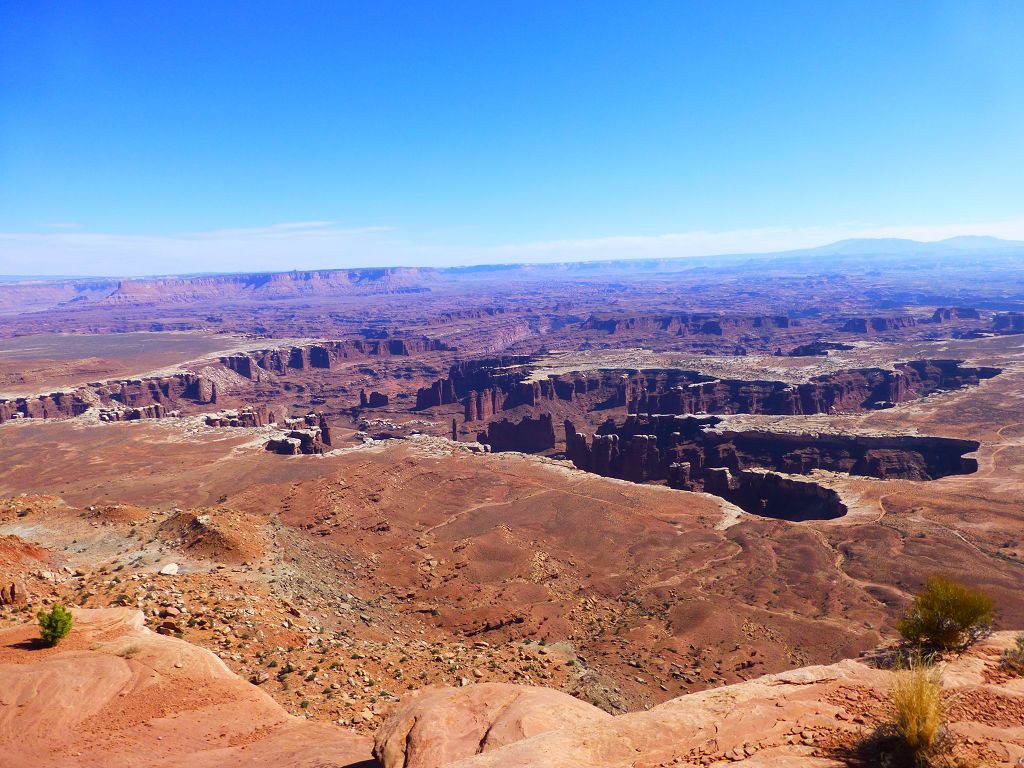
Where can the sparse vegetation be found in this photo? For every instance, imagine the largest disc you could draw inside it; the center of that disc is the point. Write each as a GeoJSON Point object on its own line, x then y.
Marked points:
{"type": "Point", "coordinates": [54, 624]}
{"type": "Point", "coordinates": [130, 651]}
{"type": "Point", "coordinates": [918, 711]}
{"type": "Point", "coordinates": [1013, 658]}
{"type": "Point", "coordinates": [947, 615]}
{"type": "Point", "coordinates": [916, 735]}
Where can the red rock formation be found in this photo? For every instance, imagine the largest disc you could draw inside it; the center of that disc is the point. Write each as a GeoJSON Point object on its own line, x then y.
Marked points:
{"type": "Point", "coordinates": [296, 441]}
{"type": "Point", "coordinates": [87, 703]}
{"type": "Point", "coordinates": [686, 324]}
{"type": "Point", "coordinates": [419, 734]}
{"type": "Point", "coordinates": [256, 416]}
{"type": "Point", "coordinates": [326, 354]}
{"type": "Point", "coordinates": [310, 434]}
{"type": "Point", "coordinates": [1008, 322]}
{"type": "Point", "coordinates": [529, 435]}
{"type": "Point", "coordinates": [373, 400]}
{"type": "Point", "coordinates": [873, 325]}
{"type": "Point", "coordinates": [13, 593]}
{"type": "Point", "coordinates": [687, 452]}
{"type": "Point", "coordinates": [950, 314]}
{"type": "Point", "coordinates": [57, 405]}
{"type": "Point", "coordinates": [817, 348]}
{"type": "Point", "coordinates": [139, 396]}
{"type": "Point", "coordinates": [681, 392]}
{"type": "Point", "coordinates": [482, 405]}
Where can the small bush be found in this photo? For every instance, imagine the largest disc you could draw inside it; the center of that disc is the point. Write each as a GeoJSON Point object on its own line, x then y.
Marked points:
{"type": "Point", "coordinates": [1013, 658]}
{"type": "Point", "coordinates": [947, 615]}
{"type": "Point", "coordinates": [916, 735]}
{"type": "Point", "coordinates": [54, 624]}
{"type": "Point", "coordinates": [130, 651]}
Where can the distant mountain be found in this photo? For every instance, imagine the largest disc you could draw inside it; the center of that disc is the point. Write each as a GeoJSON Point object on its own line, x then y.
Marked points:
{"type": "Point", "coordinates": [42, 292]}
{"type": "Point", "coordinates": [896, 246]}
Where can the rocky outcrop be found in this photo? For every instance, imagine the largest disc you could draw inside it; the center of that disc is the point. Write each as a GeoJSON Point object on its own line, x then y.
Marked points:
{"type": "Point", "coordinates": [1008, 322]}
{"type": "Point", "coordinates": [486, 388]}
{"type": "Point", "coordinates": [874, 325]}
{"type": "Point", "coordinates": [326, 354]}
{"type": "Point", "coordinates": [115, 694]}
{"type": "Point", "coordinates": [56, 405]}
{"type": "Point", "coordinates": [472, 376]}
{"type": "Point", "coordinates": [687, 324]}
{"type": "Point", "coordinates": [155, 411]}
{"type": "Point", "coordinates": [952, 314]}
{"type": "Point", "coordinates": [256, 416]}
{"type": "Point", "coordinates": [12, 593]}
{"type": "Point", "coordinates": [690, 453]}
{"type": "Point", "coordinates": [441, 392]}
{"type": "Point", "coordinates": [373, 400]}
{"type": "Point", "coordinates": [420, 733]}
{"type": "Point", "coordinates": [309, 435]}
{"type": "Point", "coordinates": [818, 349]}
{"type": "Point", "coordinates": [771, 494]}
{"type": "Point", "coordinates": [682, 392]}
{"type": "Point", "coordinates": [168, 391]}
{"type": "Point", "coordinates": [528, 435]}
{"type": "Point", "coordinates": [297, 441]}
{"type": "Point", "coordinates": [126, 399]}
{"type": "Point", "coordinates": [808, 717]}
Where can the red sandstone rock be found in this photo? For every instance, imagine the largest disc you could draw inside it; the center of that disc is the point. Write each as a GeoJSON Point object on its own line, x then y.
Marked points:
{"type": "Point", "coordinates": [13, 593]}
{"type": "Point", "coordinates": [436, 727]}
{"type": "Point", "coordinates": [796, 719]}
{"type": "Point", "coordinates": [115, 695]}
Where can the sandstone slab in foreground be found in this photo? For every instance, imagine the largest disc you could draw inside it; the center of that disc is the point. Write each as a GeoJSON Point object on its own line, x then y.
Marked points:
{"type": "Point", "coordinates": [116, 695]}
{"type": "Point", "coordinates": [806, 717]}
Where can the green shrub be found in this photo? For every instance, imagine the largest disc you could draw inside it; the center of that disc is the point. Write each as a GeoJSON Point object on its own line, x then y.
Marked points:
{"type": "Point", "coordinates": [54, 624]}
{"type": "Point", "coordinates": [1013, 658]}
{"type": "Point", "coordinates": [947, 615]}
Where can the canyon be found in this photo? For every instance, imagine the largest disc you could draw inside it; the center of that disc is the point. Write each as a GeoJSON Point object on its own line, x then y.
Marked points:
{"type": "Point", "coordinates": [495, 516]}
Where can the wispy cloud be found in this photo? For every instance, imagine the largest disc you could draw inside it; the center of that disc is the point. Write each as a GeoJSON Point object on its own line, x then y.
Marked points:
{"type": "Point", "coordinates": [327, 244]}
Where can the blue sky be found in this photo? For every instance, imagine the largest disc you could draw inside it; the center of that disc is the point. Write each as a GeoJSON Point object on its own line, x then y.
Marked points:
{"type": "Point", "coordinates": [175, 137]}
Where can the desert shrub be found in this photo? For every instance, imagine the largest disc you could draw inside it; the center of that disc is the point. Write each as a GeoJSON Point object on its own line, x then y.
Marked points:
{"type": "Point", "coordinates": [947, 615]}
{"type": "Point", "coordinates": [915, 735]}
{"type": "Point", "coordinates": [54, 624]}
{"type": "Point", "coordinates": [130, 651]}
{"type": "Point", "coordinates": [1012, 659]}
{"type": "Point", "coordinates": [918, 712]}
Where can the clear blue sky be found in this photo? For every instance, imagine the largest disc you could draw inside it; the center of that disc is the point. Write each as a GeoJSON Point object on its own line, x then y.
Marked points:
{"type": "Point", "coordinates": [471, 131]}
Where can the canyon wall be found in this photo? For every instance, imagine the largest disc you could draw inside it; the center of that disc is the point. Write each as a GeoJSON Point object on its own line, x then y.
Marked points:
{"type": "Point", "coordinates": [682, 392]}
{"type": "Point", "coordinates": [487, 387]}
{"type": "Point", "coordinates": [873, 325]}
{"type": "Point", "coordinates": [686, 324]}
{"type": "Point", "coordinates": [529, 435]}
{"type": "Point", "coordinates": [645, 447]}
{"type": "Point", "coordinates": [690, 453]}
{"type": "Point", "coordinates": [1008, 322]}
{"type": "Point", "coordinates": [168, 392]}
{"type": "Point", "coordinates": [326, 354]}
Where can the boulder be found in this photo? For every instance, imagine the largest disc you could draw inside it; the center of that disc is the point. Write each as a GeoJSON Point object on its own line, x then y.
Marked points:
{"type": "Point", "coordinates": [13, 593]}
{"type": "Point", "coordinates": [437, 726]}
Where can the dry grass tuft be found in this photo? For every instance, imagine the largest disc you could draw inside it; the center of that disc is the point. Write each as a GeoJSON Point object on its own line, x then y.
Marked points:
{"type": "Point", "coordinates": [916, 735]}
{"type": "Point", "coordinates": [1012, 660]}
{"type": "Point", "coordinates": [130, 651]}
{"type": "Point", "coordinates": [918, 710]}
